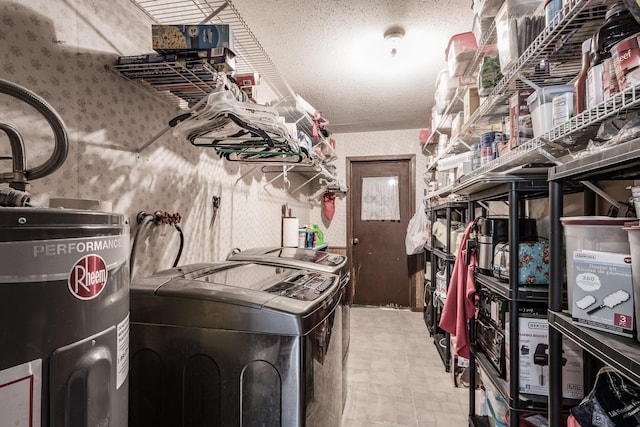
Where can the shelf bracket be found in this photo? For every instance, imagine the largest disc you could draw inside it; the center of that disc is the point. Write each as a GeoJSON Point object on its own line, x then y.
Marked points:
{"type": "Point", "coordinates": [306, 182]}
{"type": "Point", "coordinates": [214, 13]}
{"type": "Point", "coordinates": [587, 184]}
{"type": "Point", "coordinates": [285, 179]}
{"type": "Point", "coordinates": [172, 123]}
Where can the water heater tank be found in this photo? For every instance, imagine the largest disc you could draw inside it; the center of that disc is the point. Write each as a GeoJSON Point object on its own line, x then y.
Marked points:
{"type": "Point", "coordinates": [64, 311]}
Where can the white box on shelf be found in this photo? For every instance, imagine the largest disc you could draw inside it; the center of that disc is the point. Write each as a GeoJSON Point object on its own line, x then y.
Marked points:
{"type": "Point", "coordinates": [454, 162]}
{"type": "Point", "coordinates": [533, 354]}
{"type": "Point", "coordinates": [603, 291]}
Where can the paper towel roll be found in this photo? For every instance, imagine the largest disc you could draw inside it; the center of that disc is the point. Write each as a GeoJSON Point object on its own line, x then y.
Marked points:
{"type": "Point", "coordinates": [290, 232]}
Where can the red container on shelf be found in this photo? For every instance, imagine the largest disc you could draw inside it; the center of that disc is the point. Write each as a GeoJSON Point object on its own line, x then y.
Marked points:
{"type": "Point", "coordinates": [626, 61]}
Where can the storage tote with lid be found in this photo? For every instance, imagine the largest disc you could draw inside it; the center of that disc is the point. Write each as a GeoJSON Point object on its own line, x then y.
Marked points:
{"type": "Point", "coordinates": [596, 233]}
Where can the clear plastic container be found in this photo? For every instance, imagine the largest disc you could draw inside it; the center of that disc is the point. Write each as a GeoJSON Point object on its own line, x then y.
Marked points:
{"type": "Point", "coordinates": [551, 9]}
{"type": "Point", "coordinates": [540, 105]}
{"type": "Point", "coordinates": [460, 51]}
{"type": "Point", "coordinates": [633, 231]}
{"type": "Point", "coordinates": [596, 233]}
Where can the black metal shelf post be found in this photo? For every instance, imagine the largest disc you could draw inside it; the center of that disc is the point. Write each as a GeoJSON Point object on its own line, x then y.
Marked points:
{"type": "Point", "coordinates": [620, 161]}
{"type": "Point", "coordinates": [448, 258]}
{"type": "Point", "coordinates": [515, 190]}
{"type": "Point", "coordinates": [514, 324]}
{"type": "Point", "coordinates": [555, 300]}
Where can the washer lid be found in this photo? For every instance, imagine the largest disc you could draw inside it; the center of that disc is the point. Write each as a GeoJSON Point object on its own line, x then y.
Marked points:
{"type": "Point", "coordinates": [296, 257]}
{"type": "Point", "coordinates": [249, 284]}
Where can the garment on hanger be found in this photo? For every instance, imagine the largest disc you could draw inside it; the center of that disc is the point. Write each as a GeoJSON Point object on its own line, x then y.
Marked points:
{"type": "Point", "coordinates": [329, 205]}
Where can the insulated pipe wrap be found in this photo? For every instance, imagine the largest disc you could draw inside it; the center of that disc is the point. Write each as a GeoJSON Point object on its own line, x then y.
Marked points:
{"type": "Point", "coordinates": [17, 150]}
{"type": "Point", "coordinates": [61, 148]}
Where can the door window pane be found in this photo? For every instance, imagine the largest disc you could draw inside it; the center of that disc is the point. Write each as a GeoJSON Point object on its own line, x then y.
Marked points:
{"type": "Point", "coordinates": [380, 199]}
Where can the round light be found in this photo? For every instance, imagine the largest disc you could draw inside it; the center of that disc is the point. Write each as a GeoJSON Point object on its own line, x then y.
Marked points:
{"type": "Point", "coordinates": [394, 34]}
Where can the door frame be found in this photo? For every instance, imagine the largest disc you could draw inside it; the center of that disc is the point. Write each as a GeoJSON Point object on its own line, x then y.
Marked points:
{"type": "Point", "coordinates": [414, 279]}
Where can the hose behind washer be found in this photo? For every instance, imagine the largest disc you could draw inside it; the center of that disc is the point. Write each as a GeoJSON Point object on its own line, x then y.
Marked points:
{"type": "Point", "coordinates": [145, 220]}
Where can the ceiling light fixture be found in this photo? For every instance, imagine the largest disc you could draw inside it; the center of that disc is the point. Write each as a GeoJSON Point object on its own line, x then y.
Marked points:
{"type": "Point", "coordinates": [393, 35]}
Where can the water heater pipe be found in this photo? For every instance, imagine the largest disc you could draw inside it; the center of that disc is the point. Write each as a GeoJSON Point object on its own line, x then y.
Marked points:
{"type": "Point", "coordinates": [18, 155]}
{"type": "Point", "coordinates": [61, 147]}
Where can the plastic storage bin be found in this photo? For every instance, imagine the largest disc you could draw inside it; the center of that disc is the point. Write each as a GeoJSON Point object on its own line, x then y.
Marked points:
{"type": "Point", "coordinates": [460, 51]}
{"type": "Point", "coordinates": [634, 245]}
{"type": "Point", "coordinates": [513, 36]}
{"type": "Point", "coordinates": [596, 233]}
{"type": "Point", "coordinates": [540, 105]}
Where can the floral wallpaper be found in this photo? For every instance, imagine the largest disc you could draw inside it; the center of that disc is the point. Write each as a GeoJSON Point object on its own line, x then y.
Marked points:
{"type": "Point", "coordinates": [62, 50]}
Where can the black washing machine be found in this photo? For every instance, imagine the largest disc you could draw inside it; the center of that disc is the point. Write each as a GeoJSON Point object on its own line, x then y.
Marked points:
{"type": "Point", "coordinates": [313, 260]}
{"type": "Point", "coordinates": [236, 343]}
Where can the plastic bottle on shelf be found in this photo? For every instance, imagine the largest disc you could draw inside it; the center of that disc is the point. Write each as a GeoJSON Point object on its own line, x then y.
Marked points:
{"type": "Point", "coordinates": [475, 156]}
{"type": "Point", "coordinates": [486, 149]}
{"type": "Point", "coordinates": [495, 146]}
{"type": "Point", "coordinates": [618, 25]}
{"type": "Point", "coordinates": [580, 85]}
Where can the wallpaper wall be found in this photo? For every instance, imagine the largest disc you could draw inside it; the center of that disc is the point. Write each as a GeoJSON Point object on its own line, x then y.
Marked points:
{"type": "Point", "coordinates": [61, 50]}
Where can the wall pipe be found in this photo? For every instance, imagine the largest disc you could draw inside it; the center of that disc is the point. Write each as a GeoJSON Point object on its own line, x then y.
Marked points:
{"type": "Point", "coordinates": [175, 263]}
{"type": "Point", "coordinates": [18, 155]}
{"type": "Point", "coordinates": [143, 219]}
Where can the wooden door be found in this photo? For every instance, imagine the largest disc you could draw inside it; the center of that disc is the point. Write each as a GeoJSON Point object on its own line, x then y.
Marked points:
{"type": "Point", "coordinates": [382, 270]}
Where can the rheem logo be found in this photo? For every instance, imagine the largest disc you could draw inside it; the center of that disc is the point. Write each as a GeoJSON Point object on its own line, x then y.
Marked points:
{"type": "Point", "coordinates": [88, 277]}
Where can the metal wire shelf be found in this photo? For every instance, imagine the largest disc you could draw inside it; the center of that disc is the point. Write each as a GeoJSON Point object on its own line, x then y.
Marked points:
{"type": "Point", "coordinates": [557, 48]}
{"type": "Point", "coordinates": [180, 83]}
{"type": "Point", "coordinates": [251, 56]}
{"type": "Point", "coordinates": [186, 84]}
{"type": "Point", "coordinates": [456, 103]}
{"type": "Point", "coordinates": [560, 143]}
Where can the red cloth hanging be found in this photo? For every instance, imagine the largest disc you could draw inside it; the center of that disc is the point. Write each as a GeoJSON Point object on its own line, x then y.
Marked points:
{"type": "Point", "coordinates": [329, 205]}
{"type": "Point", "coordinates": [459, 306]}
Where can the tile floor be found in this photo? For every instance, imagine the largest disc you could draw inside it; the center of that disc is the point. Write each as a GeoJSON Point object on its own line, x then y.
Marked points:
{"type": "Point", "coordinates": [395, 375]}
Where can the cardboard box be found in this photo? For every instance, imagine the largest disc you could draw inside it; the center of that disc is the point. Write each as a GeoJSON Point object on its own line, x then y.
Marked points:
{"type": "Point", "coordinates": [520, 118]}
{"type": "Point", "coordinates": [249, 79]}
{"type": "Point", "coordinates": [533, 349]}
{"type": "Point", "coordinates": [251, 91]}
{"type": "Point", "coordinates": [169, 38]}
{"type": "Point", "coordinates": [603, 291]}
{"type": "Point", "coordinates": [471, 102]}
{"type": "Point", "coordinates": [456, 124]}
{"type": "Point", "coordinates": [221, 58]}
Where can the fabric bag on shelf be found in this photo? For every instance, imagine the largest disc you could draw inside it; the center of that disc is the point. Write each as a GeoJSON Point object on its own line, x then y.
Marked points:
{"type": "Point", "coordinates": [613, 401]}
{"type": "Point", "coordinates": [416, 232]}
{"type": "Point", "coordinates": [533, 259]}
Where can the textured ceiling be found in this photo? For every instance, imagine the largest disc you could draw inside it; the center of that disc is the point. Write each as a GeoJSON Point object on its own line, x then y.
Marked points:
{"type": "Point", "coordinates": [334, 55]}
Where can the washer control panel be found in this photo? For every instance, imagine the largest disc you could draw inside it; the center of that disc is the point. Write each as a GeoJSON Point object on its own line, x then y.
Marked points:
{"type": "Point", "coordinates": [305, 287]}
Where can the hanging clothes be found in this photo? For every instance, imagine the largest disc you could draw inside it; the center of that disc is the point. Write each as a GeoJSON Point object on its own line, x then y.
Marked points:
{"type": "Point", "coordinates": [329, 204]}
{"type": "Point", "coordinates": [459, 306]}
